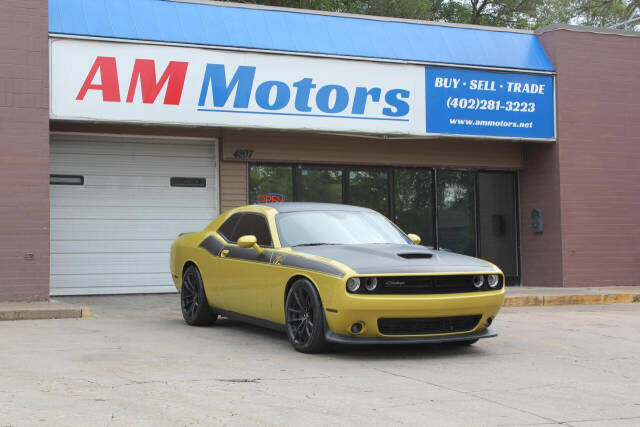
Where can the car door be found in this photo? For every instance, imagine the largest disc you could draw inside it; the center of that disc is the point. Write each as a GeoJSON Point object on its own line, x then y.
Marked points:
{"type": "Point", "coordinates": [244, 278]}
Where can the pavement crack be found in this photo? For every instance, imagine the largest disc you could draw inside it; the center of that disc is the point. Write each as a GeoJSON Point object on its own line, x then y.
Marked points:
{"type": "Point", "coordinates": [240, 380]}
{"type": "Point", "coordinates": [600, 419]}
{"type": "Point", "coordinates": [469, 394]}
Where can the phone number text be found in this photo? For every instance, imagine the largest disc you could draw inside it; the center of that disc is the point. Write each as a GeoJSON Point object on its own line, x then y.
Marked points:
{"type": "Point", "coordinates": [490, 104]}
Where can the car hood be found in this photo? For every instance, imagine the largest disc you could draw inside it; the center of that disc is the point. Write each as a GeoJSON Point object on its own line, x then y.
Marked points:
{"type": "Point", "coordinates": [397, 259]}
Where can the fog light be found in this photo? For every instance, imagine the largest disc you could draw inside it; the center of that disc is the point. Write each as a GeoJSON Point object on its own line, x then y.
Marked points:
{"type": "Point", "coordinates": [488, 322]}
{"type": "Point", "coordinates": [493, 280]}
{"type": "Point", "coordinates": [478, 281]}
{"type": "Point", "coordinates": [356, 328]}
{"type": "Point", "coordinates": [371, 283]}
{"type": "Point", "coordinates": [353, 284]}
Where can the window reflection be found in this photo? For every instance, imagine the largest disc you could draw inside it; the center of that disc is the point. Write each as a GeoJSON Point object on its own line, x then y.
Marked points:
{"type": "Point", "coordinates": [265, 180]}
{"type": "Point", "coordinates": [413, 198]}
{"type": "Point", "coordinates": [321, 185]}
{"type": "Point", "coordinates": [370, 188]}
{"type": "Point", "coordinates": [456, 211]}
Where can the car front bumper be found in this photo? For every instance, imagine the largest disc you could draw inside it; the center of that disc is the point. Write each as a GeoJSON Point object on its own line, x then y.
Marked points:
{"type": "Point", "coordinates": [348, 309]}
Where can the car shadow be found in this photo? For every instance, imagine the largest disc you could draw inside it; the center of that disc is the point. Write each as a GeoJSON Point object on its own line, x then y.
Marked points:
{"type": "Point", "coordinates": [370, 352]}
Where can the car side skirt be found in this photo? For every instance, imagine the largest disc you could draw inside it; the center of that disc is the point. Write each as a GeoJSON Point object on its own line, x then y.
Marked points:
{"type": "Point", "coordinates": [251, 320]}
{"type": "Point", "coordinates": [331, 336]}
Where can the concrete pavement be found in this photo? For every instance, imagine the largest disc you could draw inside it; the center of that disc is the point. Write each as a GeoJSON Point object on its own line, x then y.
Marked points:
{"type": "Point", "coordinates": [137, 363]}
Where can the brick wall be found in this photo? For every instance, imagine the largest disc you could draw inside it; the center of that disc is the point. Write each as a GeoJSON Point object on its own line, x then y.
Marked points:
{"type": "Point", "coordinates": [593, 171]}
{"type": "Point", "coordinates": [24, 150]}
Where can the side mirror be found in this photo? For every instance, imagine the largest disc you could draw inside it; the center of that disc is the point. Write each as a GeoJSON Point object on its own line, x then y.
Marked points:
{"type": "Point", "coordinates": [249, 241]}
{"type": "Point", "coordinates": [414, 238]}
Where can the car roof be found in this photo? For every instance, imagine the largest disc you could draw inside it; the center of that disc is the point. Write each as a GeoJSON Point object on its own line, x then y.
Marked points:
{"type": "Point", "coordinates": [283, 207]}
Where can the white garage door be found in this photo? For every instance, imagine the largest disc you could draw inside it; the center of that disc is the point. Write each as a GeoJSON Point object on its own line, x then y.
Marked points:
{"type": "Point", "coordinates": [112, 233]}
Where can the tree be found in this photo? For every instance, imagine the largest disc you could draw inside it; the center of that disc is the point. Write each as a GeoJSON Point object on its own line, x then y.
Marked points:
{"type": "Point", "coordinates": [527, 14]}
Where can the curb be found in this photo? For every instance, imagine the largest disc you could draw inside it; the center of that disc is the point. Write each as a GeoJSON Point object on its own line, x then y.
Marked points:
{"type": "Point", "coordinates": [529, 301]}
{"type": "Point", "coordinates": [45, 313]}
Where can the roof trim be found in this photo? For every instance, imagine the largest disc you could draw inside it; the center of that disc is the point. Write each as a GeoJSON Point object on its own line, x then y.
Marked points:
{"type": "Point", "coordinates": [586, 29]}
{"type": "Point", "coordinates": [303, 54]}
{"type": "Point", "coordinates": [353, 15]}
{"type": "Point", "coordinates": [222, 24]}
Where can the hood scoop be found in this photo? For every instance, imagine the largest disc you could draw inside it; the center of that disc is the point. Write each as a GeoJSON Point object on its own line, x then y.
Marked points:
{"type": "Point", "coordinates": [415, 255]}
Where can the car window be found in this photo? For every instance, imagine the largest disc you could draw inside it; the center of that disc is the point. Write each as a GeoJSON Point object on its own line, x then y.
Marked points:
{"type": "Point", "coordinates": [253, 224]}
{"type": "Point", "coordinates": [226, 229]}
{"type": "Point", "coordinates": [337, 228]}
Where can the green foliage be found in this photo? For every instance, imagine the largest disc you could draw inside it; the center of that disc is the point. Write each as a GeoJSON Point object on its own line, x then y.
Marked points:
{"type": "Point", "coordinates": [527, 14]}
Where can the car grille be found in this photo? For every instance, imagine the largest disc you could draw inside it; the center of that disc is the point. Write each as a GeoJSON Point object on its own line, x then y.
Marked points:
{"type": "Point", "coordinates": [427, 325]}
{"type": "Point", "coordinates": [430, 285]}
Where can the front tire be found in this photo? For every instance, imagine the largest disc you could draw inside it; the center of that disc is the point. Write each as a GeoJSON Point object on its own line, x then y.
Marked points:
{"type": "Point", "coordinates": [305, 318]}
{"type": "Point", "coordinates": [193, 300]}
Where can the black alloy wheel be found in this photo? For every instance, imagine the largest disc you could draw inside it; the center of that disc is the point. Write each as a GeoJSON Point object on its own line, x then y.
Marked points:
{"type": "Point", "coordinates": [193, 300]}
{"type": "Point", "coordinates": [304, 317]}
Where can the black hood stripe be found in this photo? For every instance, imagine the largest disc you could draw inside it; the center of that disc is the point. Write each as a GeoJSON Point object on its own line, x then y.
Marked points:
{"type": "Point", "coordinates": [311, 264]}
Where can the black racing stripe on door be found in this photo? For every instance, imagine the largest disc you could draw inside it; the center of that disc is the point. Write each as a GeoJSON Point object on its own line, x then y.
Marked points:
{"type": "Point", "coordinates": [212, 245]}
{"type": "Point", "coordinates": [311, 264]}
{"type": "Point", "coordinates": [247, 254]}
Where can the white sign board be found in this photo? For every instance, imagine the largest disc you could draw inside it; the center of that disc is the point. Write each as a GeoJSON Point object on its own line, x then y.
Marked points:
{"type": "Point", "coordinates": [144, 83]}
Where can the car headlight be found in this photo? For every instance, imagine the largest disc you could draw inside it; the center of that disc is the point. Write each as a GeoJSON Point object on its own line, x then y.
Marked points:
{"type": "Point", "coordinates": [371, 283]}
{"type": "Point", "coordinates": [353, 284]}
{"type": "Point", "coordinates": [478, 281]}
{"type": "Point", "coordinates": [493, 280]}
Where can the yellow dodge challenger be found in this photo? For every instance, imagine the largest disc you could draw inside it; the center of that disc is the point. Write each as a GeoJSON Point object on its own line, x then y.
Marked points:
{"type": "Point", "coordinates": [330, 273]}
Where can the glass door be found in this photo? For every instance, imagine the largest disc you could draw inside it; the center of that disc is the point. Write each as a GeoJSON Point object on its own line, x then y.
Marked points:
{"type": "Point", "coordinates": [456, 211]}
{"type": "Point", "coordinates": [413, 202]}
{"type": "Point", "coordinates": [497, 221]}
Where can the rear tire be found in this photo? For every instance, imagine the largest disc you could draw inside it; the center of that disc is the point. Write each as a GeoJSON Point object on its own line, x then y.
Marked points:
{"type": "Point", "coordinates": [305, 318]}
{"type": "Point", "coordinates": [193, 300]}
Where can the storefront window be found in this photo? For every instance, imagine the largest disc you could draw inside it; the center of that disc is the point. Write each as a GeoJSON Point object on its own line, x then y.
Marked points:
{"type": "Point", "coordinates": [456, 211]}
{"type": "Point", "coordinates": [369, 188]}
{"type": "Point", "coordinates": [321, 185]}
{"type": "Point", "coordinates": [270, 183]}
{"type": "Point", "coordinates": [413, 198]}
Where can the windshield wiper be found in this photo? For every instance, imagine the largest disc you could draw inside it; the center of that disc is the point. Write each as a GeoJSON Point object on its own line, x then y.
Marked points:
{"type": "Point", "coordinates": [311, 244]}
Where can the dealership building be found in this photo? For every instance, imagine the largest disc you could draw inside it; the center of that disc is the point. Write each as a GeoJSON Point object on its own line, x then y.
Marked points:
{"type": "Point", "coordinates": [125, 123]}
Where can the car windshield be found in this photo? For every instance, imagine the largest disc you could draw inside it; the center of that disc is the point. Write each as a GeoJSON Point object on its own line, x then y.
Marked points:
{"type": "Point", "coordinates": [336, 228]}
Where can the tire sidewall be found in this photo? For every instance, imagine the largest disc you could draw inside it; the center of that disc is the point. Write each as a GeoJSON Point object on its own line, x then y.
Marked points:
{"type": "Point", "coordinates": [317, 341]}
{"type": "Point", "coordinates": [204, 314]}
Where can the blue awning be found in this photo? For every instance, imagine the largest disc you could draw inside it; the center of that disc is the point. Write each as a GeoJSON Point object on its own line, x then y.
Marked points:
{"type": "Point", "coordinates": [292, 31]}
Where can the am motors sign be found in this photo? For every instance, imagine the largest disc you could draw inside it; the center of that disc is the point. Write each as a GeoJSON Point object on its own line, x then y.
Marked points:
{"type": "Point", "coordinates": [105, 81]}
{"type": "Point", "coordinates": [148, 83]}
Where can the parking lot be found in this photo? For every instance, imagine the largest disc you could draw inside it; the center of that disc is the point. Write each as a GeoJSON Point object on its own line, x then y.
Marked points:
{"type": "Point", "coordinates": [137, 363]}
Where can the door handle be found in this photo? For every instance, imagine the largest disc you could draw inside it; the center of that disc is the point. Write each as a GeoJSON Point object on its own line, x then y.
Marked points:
{"type": "Point", "coordinates": [224, 253]}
